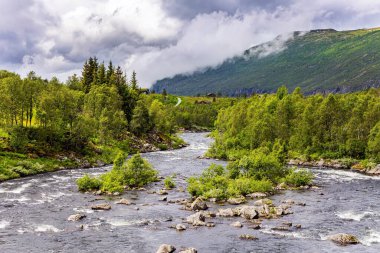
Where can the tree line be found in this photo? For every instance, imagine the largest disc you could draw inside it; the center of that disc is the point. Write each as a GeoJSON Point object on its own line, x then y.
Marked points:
{"type": "Point", "coordinates": [311, 127]}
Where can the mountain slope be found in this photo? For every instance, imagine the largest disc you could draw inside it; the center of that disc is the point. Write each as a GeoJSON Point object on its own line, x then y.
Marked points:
{"type": "Point", "coordinates": [320, 60]}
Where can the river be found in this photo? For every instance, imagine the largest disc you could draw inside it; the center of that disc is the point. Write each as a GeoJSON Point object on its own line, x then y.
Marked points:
{"type": "Point", "coordinates": [34, 212]}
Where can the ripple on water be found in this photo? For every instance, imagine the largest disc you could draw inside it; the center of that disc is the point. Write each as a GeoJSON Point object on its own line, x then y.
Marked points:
{"type": "Point", "coordinates": [373, 237]}
{"type": "Point", "coordinates": [356, 216]}
{"type": "Point", "coordinates": [4, 224]}
{"type": "Point", "coordinates": [341, 175]}
{"type": "Point", "coordinates": [17, 190]}
{"type": "Point", "coordinates": [47, 228]}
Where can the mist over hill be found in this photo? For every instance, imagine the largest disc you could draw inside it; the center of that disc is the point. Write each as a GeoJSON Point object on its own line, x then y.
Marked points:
{"type": "Point", "coordinates": [323, 60]}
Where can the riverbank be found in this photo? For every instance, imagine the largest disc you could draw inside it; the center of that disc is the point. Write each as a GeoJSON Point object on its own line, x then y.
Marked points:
{"type": "Point", "coordinates": [370, 169]}
{"type": "Point", "coordinates": [15, 165]}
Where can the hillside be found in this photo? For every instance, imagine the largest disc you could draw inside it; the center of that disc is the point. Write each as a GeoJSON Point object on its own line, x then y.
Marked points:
{"type": "Point", "coordinates": [318, 61]}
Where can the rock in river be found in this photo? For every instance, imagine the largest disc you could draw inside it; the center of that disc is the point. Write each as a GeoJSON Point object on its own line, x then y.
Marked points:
{"type": "Point", "coordinates": [76, 217]}
{"type": "Point", "coordinates": [199, 204]}
{"type": "Point", "coordinates": [197, 219]}
{"type": "Point", "coordinates": [249, 212]}
{"type": "Point", "coordinates": [166, 248]}
{"type": "Point", "coordinates": [344, 239]}
{"type": "Point", "coordinates": [247, 237]}
{"type": "Point", "coordinates": [124, 202]}
{"type": "Point", "coordinates": [104, 206]}
{"type": "Point", "coordinates": [236, 201]}
{"type": "Point", "coordinates": [237, 224]}
{"type": "Point", "coordinates": [228, 212]}
{"type": "Point", "coordinates": [180, 227]}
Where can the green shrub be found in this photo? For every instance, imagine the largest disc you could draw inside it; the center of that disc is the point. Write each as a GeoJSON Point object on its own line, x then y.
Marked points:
{"type": "Point", "coordinates": [298, 177]}
{"type": "Point", "coordinates": [87, 183]}
{"type": "Point", "coordinates": [138, 172]}
{"type": "Point", "coordinates": [169, 183]}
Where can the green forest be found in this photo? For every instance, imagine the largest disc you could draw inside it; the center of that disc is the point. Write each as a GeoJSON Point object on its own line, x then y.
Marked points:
{"type": "Point", "coordinates": [47, 125]}
{"type": "Point", "coordinates": [332, 126]}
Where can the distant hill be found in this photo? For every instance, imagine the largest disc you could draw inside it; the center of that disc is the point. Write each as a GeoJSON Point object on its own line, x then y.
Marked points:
{"type": "Point", "coordinates": [319, 61]}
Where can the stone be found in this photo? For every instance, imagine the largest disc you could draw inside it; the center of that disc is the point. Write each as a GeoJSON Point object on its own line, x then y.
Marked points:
{"type": "Point", "coordinates": [298, 226]}
{"type": "Point", "coordinates": [163, 198]}
{"type": "Point", "coordinates": [198, 204]}
{"type": "Point", "coordinates": [281, 228]}
{"type": "Point", "coordinates": [249, 212]}
{"type": "Point", "coordinates": [237, 224]}
{"type": "Point", "coordinates": [344, 239]}
{"type": "Point", "coordinates": [124, 202]}
{"type": "Point", "coordinates": [257, 195]}
{"type": "Point", "coordinates": [255, 226]}
{"type": "Point", "coordinates": [162, 192]}
{"type": "Point", "coordinates": [228, 212]}
{"type": "Point", "coordinates": [180, 227]}
{"type": "Point", "coordinates": [247, 237]}
{"type": "Point", "coordinates": [166, 248]}
{"type": "Point", "coordinates": [282, 186]}
{"type": "Point", "coordinates": [189, 250]}
{"type": "Point", "coordinates": [104, 206]}
{"type": "Point", "coordinates": [76, 217]}
{"type": "Point", "coordinates": [236, 201]}
{"type": "Point", "coordinates": [287, 223]}
{"type": "Point", "coordinates": [289, 201]}
{"type": "Point", "coordinates": [197, 219]}
{"type": "Point", "coordinates": [262, 202]}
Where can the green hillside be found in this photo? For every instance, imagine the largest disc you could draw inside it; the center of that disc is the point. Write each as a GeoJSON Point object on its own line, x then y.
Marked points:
{"type": "Point", "coordinates": [320, 60]}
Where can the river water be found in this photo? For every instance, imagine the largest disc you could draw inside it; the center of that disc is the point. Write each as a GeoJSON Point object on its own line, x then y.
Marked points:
{"type": "Point", "coordinates": [34, 212]}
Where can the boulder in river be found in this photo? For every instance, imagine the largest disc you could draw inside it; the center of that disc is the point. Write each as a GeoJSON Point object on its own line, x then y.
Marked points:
{"type": "Point", "coordinates": [262, 202]}
{"type": "Point", "coordinates": [249, 212]}
{"type": "Point", "coordinates": [180, 227]}
{"type": "Point", "coordinates": [228, 212]}
{"type": "Point", "coordinates": [257, 195]}
{"type": "Point", "coordinates": [237, 201]}
{"type": "Point", "coordinates": [344, 239]}
{"type": "Point", "coordinates": [124, 202]}
{"type": "Point", "coordinates": [247, 237]}
{"type": "Point", "coordinates": [76, 217]}
{"type": "Point", "coordinates": [197, 219]}
{"type": "Point", "coordinates": [104, 206]}
{"type": "Point", "coordinates": [166, 248]}
{"type": "Point", "coordinates": [237, 224]}
{"type": "Point", "coordinates": [198, 204]}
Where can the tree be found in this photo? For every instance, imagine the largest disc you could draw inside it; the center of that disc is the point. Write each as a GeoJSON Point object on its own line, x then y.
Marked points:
{"type": "Point", "coordinates": [141, 122]}
{"type": "Point", "coordinates": [134, 82]}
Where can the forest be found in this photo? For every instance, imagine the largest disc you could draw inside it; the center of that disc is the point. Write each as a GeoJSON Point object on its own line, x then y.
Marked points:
{"type": "Point", "coordinates": [47, 125]}
{"type": "Point", "coordinates": [332, 126]}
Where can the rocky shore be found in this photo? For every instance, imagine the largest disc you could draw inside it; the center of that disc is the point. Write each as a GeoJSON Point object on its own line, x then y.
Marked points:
{"type": "Point", "coordinates": [336, 164]}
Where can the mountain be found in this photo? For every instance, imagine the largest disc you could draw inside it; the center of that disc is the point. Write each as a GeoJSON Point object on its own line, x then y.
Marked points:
{"type": "Point", "coordinates": [322, 60]}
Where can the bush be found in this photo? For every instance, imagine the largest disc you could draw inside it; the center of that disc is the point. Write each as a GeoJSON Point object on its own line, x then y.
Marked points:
{"type": "Point", "coordinates": [87, 183]}
{"type": "Point", "coordinates": [169, 183]}
{"type": "Point", "coordinates": [138, 172]}
{"type": "Point", "coordinates": [298, 177]}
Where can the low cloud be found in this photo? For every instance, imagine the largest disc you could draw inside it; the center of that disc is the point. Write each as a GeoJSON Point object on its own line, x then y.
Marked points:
{"type": "Point", "coordinates": [160, 38]}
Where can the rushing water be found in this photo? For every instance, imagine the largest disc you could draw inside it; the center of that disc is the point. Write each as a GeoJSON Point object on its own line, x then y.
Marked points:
{"type": "Point", "coordinates": [34, 212]}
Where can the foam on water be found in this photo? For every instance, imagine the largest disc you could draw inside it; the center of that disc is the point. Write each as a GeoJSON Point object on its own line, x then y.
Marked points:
{"type": "Point", "coordinates": [373, 237]}
{"type": "Point", "coordinates": [291, 234]}
{"type": "Point", "coordinates": [17, 190]}
{"type": "Point", "coordinates": [4, 224]}
{"type": "Point", "coordinates": [47, 228]}
{"type": "Point", "coordinates": [342, 175]}
{"type": "Point", "coordinates": [22, 199]}
{"type": "Point", "coordinates": [121, 223]}
{"type": "Point", "coordinates": [356, 216]}
{"type": "Point", "coordinates": [82, 210]}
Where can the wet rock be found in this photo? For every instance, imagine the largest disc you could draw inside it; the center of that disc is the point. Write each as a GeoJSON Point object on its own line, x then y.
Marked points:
{"type": "Point", "coordinates": [282, 186]}
{"type": "Point", "coordinates": [228, 212]}
{"type": "Point", "coordinates": [237, 201]}
{"type": "Point", "coordinates": [212, 200]}
{"type": "Point", "coordinates": [262, 202]}
{"type": "Point", "coordinates": [237, 224]}
{"type": "Point", "coordinates": [180, 227]}
{"type": "Point", "coordinates": [298, 226]}
{"type": "Point", "coordinates": [210, 225]}
{"type": "Point", "coordinates": [163, 198]}
{"type": "Point", "coordinates": [374, 172]}
{"type": "Point", "coordinates": [189, 250]}
{"type": "Point", "coordinates": [199, 204]}
{"type": "Point", "coordinates": [249, 212]}
{"type": "Point", "coordinates": [289, 202]}
{"type": "Point", "coordinates": [99, 192]}
{"type": "Point", "coordinates": [247, 237]}
{"type": "Point", "coordinates": [104, 206]}
{"type": "Point", "coordinates": [197, 219]}
{"type": "Point", "coordinates": [281, 228]}
{"type": "Point", "coordinates": [344, 239]}
{"type": "Point", "coordinates": [166, 248]}
{"type": "Point", "coordinates": [263, 210]}
{"type": "Point", "coordinates": [76, 217]}
{"type": "Point", "coordinates": [116, 194]}
{"type": "Point", "coordinates": [162, 192]}
{"type": "Point", "coordinates": [181, 189]}
{"type": "Point", "coordinates": [257, 195]}
{"type": "Point", "coordinates": [124, 202]}
{"type": "Point", "coordinates": [287, 223]}
{"type": "Point", "coordinates": [255, 226]}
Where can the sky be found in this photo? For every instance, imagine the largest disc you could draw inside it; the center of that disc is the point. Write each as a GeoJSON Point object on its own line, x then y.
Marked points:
{"type": "Point", "coordinates": [158, 38]}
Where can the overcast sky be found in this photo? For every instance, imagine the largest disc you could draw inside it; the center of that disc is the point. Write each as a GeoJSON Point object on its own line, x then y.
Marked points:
{"type": "Point", "coordinates": [158, 38]}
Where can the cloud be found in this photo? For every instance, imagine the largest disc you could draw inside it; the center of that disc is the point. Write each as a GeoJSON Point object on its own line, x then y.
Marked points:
{"type": "Point", "coordinates": [158, 38]}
